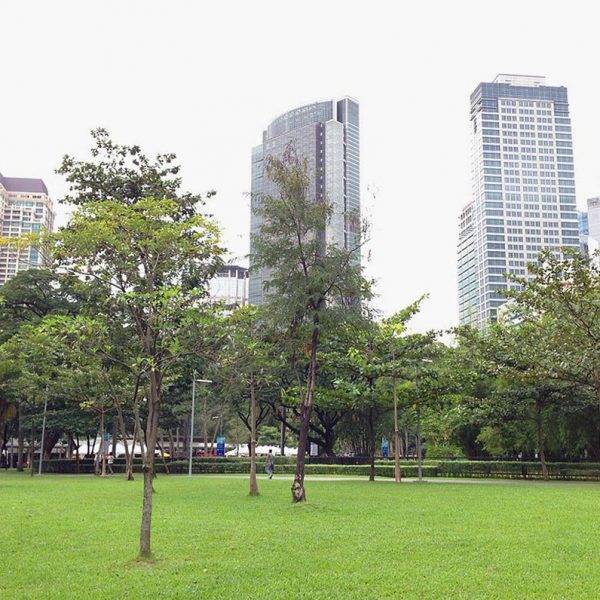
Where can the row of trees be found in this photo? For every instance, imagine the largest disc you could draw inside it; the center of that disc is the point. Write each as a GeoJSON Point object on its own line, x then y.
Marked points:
{"type": "Point", "coordinates": [115, 333]}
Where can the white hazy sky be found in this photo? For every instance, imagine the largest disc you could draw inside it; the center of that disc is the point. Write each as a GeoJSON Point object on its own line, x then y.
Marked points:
{"type": "Point", "coordinates": [203, 79]}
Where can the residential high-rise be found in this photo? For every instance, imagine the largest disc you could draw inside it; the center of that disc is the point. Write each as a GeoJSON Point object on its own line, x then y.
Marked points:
{"type": "Point", "coordinates": [523, 188]}
{"type": "Point", "coordinates": [25, 208]}
{"type": "Point", "coordinates": [327, 135]}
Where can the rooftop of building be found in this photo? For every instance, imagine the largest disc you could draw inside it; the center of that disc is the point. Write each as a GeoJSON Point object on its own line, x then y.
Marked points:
{"type": "Point", "coordinates": [232, 271]}
{"type": "Point", "coordinates": [320, 111]}
{"type": "Point", "coordinates": [23, 184]}
{"type": "Point", "coordinates": [520, 80]}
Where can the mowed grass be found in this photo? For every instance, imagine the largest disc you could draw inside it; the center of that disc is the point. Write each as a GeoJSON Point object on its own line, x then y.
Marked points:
{"type": "Point", "coordinates": [69, 537]}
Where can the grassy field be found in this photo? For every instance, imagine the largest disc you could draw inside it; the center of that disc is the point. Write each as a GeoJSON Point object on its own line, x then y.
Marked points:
{"type": "Point", "coordinates": [68, 537]}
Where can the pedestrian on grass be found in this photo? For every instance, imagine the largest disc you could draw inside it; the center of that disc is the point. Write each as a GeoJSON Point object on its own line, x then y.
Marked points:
{"type": "Point", "coordinates": [109, 462]}
{"type": "Point", "coordinates": [270, 463]}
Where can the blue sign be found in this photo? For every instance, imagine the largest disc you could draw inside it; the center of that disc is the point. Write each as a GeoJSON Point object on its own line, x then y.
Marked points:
{"type": "Point", "coordinates": [220, 445]}
{"type": "Point", "coordinates": [385, 448]}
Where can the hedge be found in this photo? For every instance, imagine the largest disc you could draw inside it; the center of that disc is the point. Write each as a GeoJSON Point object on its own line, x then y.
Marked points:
{"type": "Point", "coordinates": [452, 468]}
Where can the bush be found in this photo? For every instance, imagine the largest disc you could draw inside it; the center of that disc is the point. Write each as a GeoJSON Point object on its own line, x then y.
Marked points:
{"type": "Point", "coordinates": [435, 451]}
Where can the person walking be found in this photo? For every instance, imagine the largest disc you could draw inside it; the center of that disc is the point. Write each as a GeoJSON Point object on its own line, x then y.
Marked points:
{"type": "Point", "coordinates": [109, 461]}
{"type": "Point", "coordinates": [270, 463]}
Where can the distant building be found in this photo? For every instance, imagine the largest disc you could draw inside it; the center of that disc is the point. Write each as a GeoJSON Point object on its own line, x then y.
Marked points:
{"type": "Point", "coordinates": [593, 218]}
{"type": "Point", "coordinates": [467, 267]}
{"type": "Point", "coordinates": [230, 286]}
{"type": "Point", "coordinates": [523, 189]}
{"type": "Point", "coordinates": [327, 135]}
{"type": "Point", "coordinates": [25, 208]}
{"type": "Point", "coordinates": [584, 232]}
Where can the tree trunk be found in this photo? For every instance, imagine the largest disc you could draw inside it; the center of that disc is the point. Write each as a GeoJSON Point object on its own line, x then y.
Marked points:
{"type": "Point", "coordinates": [205, 423]}
{"type": "Point", "coordinates": [253, 483]}
{"type": "Point", "coordinates": [151, 439]}
{"type": "Point", "coordinates": [70, 445]}
{"type": "Point", "coordinates": [397, 475]}
{"type": "Point", "coordinates": [102, 445]}
{"type": "Point", "coordinates": [77, 451]}
{"type": "Point", "coordinates": [128, 460]}
{"type": "Point", "coordinates": [298, 492]}
{"type": "Point", "coordinates": [540, 437]}
{"type": "Point", "coordinates": [20, 439]}
{"type": "Point", "coordinates": [171, 445]}
{"type": "Point", "coordinates": [138, 429]}
{"type": "Point", "coordinates": [50, 440]}
{"type": "Point", "coordinates": [283, 432]}
{"type": "Point", "coordinates": [371, 446]}
{"type": "Point", "coordinates": [32, 449]}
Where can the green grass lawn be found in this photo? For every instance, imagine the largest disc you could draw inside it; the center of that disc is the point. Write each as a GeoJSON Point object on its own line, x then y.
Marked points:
{"type": "Point", "coordinates": [69, 537]}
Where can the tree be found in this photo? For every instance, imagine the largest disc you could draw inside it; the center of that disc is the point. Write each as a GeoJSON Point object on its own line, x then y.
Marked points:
{"type": "Point", "coordinates": [139, 235]}
{"type": "Point", "coordinates": [310, 280]}
{"type": "Point", "coordinates": [124, 174]}
{"type": "Point", "coordinates": [156, 258]}
{"type": "Point", "coordinates": [511, 352]}
{"type": "Point", "coordinates": [248, 364]}
{"type": "Point", "coordinates": [560, 303]}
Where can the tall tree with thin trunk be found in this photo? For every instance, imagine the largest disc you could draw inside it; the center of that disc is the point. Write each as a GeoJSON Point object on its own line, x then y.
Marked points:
{"type": "Point", "coordinates": [309, 278]}
{"type": "Point", "coordinates": [247, 366]}
{"type": "Point", "coordinates": [137, 233]}
{"type": "Point", "coordinates": [156, 258]}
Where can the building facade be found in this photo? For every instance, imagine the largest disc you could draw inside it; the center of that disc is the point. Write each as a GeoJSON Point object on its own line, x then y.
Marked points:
{"type": "Point", "coordinates": [593, 218]}
{"type": "Point", "coordinates": [327, 135]}
{"type": "Point", "coordinates": [523, 188]}
{"type": "Point", "coordinates": [25, 208]}
{"type": "Point", "coordinates": [230, 286]}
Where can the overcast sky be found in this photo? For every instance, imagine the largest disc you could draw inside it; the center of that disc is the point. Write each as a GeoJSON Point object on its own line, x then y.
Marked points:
{"type": "Point", "coordinates": [203, 79]}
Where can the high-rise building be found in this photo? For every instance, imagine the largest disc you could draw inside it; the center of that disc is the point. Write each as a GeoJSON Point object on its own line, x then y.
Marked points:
{"type": "Point", "coordinates": [523, 189]}
{"type": "Point", "coordinates": [327, 135]}
{"type": "Point", "coordinates": [25, 208]}
{"type": "Point", "coordinates": [230, 286]}
{"type": "Point", "coordinates": [593, 218]}
{"type": "Point", "coordinates": [467, 272]}
{"type": "Point", "coordinates": [584, 231]}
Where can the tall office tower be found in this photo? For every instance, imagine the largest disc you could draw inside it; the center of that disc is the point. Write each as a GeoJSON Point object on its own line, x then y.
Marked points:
{"type": "Point", "coordinates": [25, 208]}
{"type": "Point", "coordinates": [523, 185]}
{"type": "Point", "coordinates": [467, 272]}
{"type": "Point", "coordinates": [593, 218]}
{"type": "Point", "coordinates": [327, 135]}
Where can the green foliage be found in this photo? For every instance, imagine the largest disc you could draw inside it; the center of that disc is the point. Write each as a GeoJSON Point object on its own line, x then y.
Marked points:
{"type": "Point", "coordinates": [434, 451]}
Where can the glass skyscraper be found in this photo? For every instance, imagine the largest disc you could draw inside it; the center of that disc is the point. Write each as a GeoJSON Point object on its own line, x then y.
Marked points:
{"type": "Point", "coordinates": [523, 189]}
{"type": "Point", "coordinates": [327, 135]}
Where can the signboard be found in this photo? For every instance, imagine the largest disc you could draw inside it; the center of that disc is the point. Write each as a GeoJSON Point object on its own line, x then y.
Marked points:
{"type": "Point", "coordinates": [314, 449]}
{"type": "Point", "coordinates": [220, 445]}
{"type": "Point", "coordinates": [385, 448]}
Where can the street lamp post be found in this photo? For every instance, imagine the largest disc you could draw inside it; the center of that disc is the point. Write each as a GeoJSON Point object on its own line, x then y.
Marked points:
{"type": "Point", "coordinates": [396, 430]}
{"type": "Point", "coordinates": [194, 381]}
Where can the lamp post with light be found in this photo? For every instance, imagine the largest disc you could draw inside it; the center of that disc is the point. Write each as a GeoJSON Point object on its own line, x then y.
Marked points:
{"type": "Point", "coordinates": [194, 381]}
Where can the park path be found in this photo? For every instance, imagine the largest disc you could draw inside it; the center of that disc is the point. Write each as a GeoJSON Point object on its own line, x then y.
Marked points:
{"type": "Point", "coordinates": [439, 480]}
